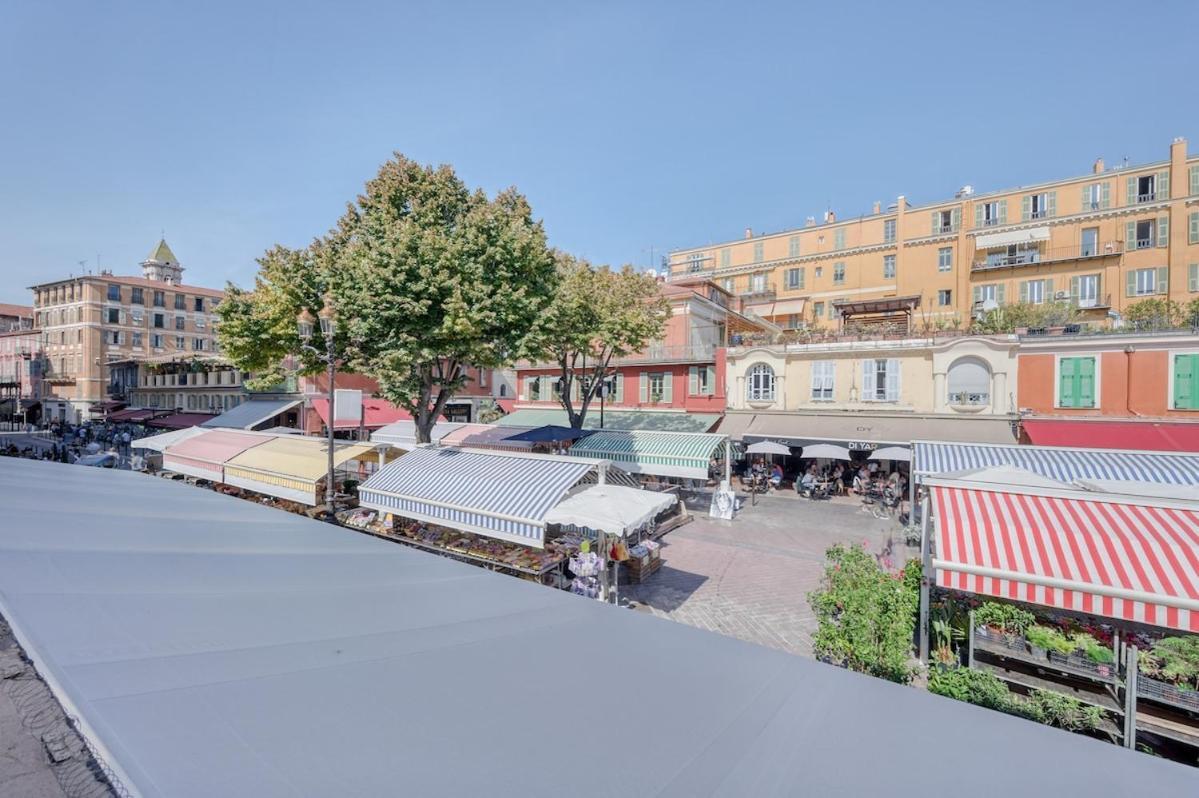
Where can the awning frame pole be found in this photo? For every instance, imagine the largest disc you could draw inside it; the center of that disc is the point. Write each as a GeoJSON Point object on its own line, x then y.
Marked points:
{"type": "Point", "coordinates": [925, 576]}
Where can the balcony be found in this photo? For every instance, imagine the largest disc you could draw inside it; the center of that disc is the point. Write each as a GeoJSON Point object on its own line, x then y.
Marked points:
{"type": "Point", "coordinates": [680, 353]}
{"type": "Point", "coordinates": [760, 293]}
{"type": "Point", "coordinates": [1152, 196]}
{"type": "Point", "coordinates": [1030, 257]}
{"type": "Point", "coordinates": [58, 378]}
{"type": "Point", "coordinates": [967, 399]}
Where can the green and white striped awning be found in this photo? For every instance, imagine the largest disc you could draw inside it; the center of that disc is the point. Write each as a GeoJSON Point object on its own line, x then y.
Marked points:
{"type": "Point", "coordinates": [664, 454]}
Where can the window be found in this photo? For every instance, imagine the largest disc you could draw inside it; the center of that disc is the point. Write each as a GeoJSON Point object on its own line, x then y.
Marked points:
{"type": "Point", "coordinates": [695, 262]}
{"type": "Point", "coordinates": [1194, 178]}
{"type": "Point", "coordinates": [160, 320]}
{"type": "Point", "coordinates": [945, 297]}
{"type": "Point", "coordinates": [180, 342]}
{"type": "Point", "coordinates": [945, 259]}
{"type": "Point", "coordinates": [728, 284]}
{"type": "Point", "coordinates": [990, 291]}
{"type": "Point", "coordinates": [794, 322]}
{"type": "Point", "coordinates": [1186, 382]}
{"type": "Point", "coordinates": [701, 380]}
{"type": "Point", "coordinates": [838, 274]}
{"type": "Point", "coordinates": [156, 341]}
{"type": "Point", "coordinates": [532, 389]}
{"type": "Point", "coordinates": [1096, 196]}
{"type": "Point", "coordinates": [200, 323]}
{"type": "Point", "coordinates": [180, 302]}
{"type": "Point", "coordinates": [793, 247]}
{"type": "Point", "coordinates": [757, 283]}
{"type": "Point", "coordinates": [795, 278]}
{"type": "Point", "coordinates": [1145, 188]}
{"type": "Point", "coordinates": [759, 383]}
{"type": "Point", "coordinates": [1084, 290]}
{"type": "Point", "coordinates": [819, 272]}
{"type": "Point", "coordinates": [1142, 234]}
{"type": "Point", "coordinates": [137, 340]}
{"type": "Point", "coordinates": [989, 214]}
{"type": "Point", "coordinates": [1090, 242]}
{"type": "Point", "coordinates": [114, 292]}
{"type": "Point", "coordinates": [180, 322]}
{"type": "Point", "coordinates": [888, 267]}
{"type": "Point", "coordinates": [1039, 206]}
{"type": "Point", "coordinates": [888, 231]}
{"type": "Point", "coordinates": [969, 382]}
{"type": "Point", "coordinates": [198, 344]}
{"type": "Point", "coordinates": [946, 221]}
{"type": "Point", "coordinates": [880, 380]}
{"type": "Point", "coordinates": [1143, 282]}
{"type": "Point", "coordinates": [1036, 291]}
{"type": "Point", "coordinates": [159, 299]}
{"type": "Point", "coordinates": [114, 337]}
{"type": "Point", "coordinates": [655, 387]}
{"type": "Point", "coordinates": [839, 238]}
{"type": "Point", "coordinates": [113, 315]}
{"type": "Point", "coordinates": [725, 258]}
{"type": "Point", "coordinates": [136, 297]}
{"type": "Point", "coordinates": [758, 254]}
{"type": "Point", "coordinates": [1076, 382]}
{"type": "Point", "coordinates": [1193, 228]}
{"type": "Point", "coordinates": [818, 310]}
{"type": "Point", "coordinates": [822, 380]}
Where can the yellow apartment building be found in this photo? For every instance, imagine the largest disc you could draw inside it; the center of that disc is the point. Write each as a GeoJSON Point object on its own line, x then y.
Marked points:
{"type": "Point", "coordinates": [1100, 241]}
{"type": "Point", "coordinates": [91, 323]}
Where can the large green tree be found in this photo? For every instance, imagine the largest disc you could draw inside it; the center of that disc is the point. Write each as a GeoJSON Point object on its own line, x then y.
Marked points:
{"type": "Point", "coordinates": [597, 315]}
{"type": "Point", "coordinates": [427, 278]}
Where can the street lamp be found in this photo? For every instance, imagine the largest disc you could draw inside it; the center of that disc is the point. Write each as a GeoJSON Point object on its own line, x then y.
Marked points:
{"type": "Point", "coordinates": [305, 324]}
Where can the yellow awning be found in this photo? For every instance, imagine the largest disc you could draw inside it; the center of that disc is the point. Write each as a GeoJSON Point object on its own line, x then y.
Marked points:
{"type": "Point", "coordinates": [297, 457]}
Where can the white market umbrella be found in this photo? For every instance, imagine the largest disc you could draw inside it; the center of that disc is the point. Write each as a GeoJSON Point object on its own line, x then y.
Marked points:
{"type": "Point", "coordinates": [898, 453]}
{"type": "Point", "coordinates": [827, 451]}
{"type": "Point", "coordinates": [768, 447]}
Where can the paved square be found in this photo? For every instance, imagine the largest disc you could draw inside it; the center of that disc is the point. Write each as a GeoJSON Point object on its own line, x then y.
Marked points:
{"type": "Point", "coordinates": [749, 578]}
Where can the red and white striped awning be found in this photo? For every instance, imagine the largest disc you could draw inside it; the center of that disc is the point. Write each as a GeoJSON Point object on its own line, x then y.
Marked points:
{"type": "Point", "coordinates": [1102, 554]}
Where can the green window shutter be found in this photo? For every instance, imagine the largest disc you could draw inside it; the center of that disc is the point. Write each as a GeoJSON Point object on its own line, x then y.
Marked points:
{"type": "Point", "coordinates": [802, 276]}
{"type": "Point", "coordinates": [955, 219]}
{"type": "Point", "coordinates": [711, 381]}
{"type": "Point", "coordinates": [1193, 277]}
{"type": "Point", "coordinates": [1066, 391]}
{"type": "Point", "coordinates": [1024, 290]}
{"type": "Point", "coordinates": [1074, 285]}
{"type": "Point", "coordinates": [978, 214]}
{"type": "Point", "coordinates": [693, 381]}
{"type": "Point", "coordinates": [1162, 283]}
{"type": "Point", "coordinates": [1162, 185]}
{"type": "Point", "coordinates": [839, 238]}
{"type": "Point", "coordinates": [1105, 195]}
{"type": "Point", "coordinates": [1132, 192]}
{"type": "Point", "coordinates": [1131, 284]}
{"type": "Point", "coordinates": [1186, 372]}
{"type": "Point", "coordinates": [1086, 382]}
{"type": "Point", "coordinates": [1049, 289]}
{"type": "Point", "coordinates": [1002, 211]}
{"type": "Point", "coordinates": [1193, 231]}
{"type": "Point", "coordinates": [1085, 202]}
{"type": "Point", "coordinates": [978, 293]}
{"type": "Point", "coordinates": [1194, 174]}
{"type": "Point", "coordinates": [619, 388]}
{"type": "Point", "coordinates": [667, 390]}
{"type": "Point", "coordinates": [1025, 208]}
{"type": "Point", "coordinates": [936, 228]}
{"type": "Point", "coordinates": [1051, 203]}
{"type": "Point", "coordinates": [643, 396]}
{"type": "Point", "coordinates": [1000, 293]}
{"type": "Point", "coordinates": [1163, 231]}
{"type": "Point", "coordinates": [1130, 235]}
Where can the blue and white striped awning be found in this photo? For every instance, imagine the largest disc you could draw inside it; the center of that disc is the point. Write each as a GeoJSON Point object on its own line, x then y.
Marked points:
{"type": "Point", "coordinates": [667, 454]}
{"type": "Point", "coordinates": [497, 494]}
{"type": "Point", "coordinates": [1058, 462]}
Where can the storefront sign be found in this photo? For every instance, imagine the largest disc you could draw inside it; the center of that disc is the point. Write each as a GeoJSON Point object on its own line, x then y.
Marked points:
{"type": "Point", "coordinates": [861, 446]}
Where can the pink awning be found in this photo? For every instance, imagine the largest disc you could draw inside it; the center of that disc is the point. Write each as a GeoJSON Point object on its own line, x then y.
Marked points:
{"type": "Point", "coordinates": [209, 452]}
{"type": "Point", "coordinates": [1118, 556]}
{"type": "Point", "coordinates": [377, 412]}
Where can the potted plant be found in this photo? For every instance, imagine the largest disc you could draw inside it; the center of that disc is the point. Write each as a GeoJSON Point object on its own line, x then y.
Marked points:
{"type": "Point", "coordinates": [1044, 639]}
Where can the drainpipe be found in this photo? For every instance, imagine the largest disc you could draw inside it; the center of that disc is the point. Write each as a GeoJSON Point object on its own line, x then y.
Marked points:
{"type": "Point", "coordinates": [1128, 350]}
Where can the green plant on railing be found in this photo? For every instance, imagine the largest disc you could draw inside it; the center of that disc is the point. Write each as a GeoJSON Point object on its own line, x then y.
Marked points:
{"type": "Point", "coordinates": [1174, 659]}
{"type": "Point", "coordinates": [1063, 711]}
{"type": "Point", "coordinates": [1093, 650]}
{"type": "Point", "coordinates": [1049, 639]}
{"type": "Point", "coordinates": [1007, 318]}
{"type": "Point", "coordinates": [1006, 617]}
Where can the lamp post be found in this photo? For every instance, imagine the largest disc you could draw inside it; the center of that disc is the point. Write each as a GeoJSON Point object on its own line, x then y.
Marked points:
{"type": "Point", "coordinates": [328, 322]}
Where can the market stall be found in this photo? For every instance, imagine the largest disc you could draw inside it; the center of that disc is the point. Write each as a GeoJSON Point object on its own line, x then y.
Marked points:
{"type": "Point", "coordinates": [682, 455]}
{"type": "Point", "coordinates": [204, 456]}
{"type": "Point", "coordinates": [293, 467]}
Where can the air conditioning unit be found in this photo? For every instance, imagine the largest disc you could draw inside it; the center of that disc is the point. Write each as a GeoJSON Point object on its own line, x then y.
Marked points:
{"type": "Point", "coordinates": [1060, 295]}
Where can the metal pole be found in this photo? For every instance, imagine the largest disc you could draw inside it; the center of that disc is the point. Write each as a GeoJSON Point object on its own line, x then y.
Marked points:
{"type": "Point", "coordinates": [1130, 700]}
{"type": "Point", "coordinates": [926, 575]}
{"type": "Point", "coordinates": [603, 389]}
{"type": "Point", "coordinates": [970, 642]}
{"type": "Point", "coordinates": [329, 492]}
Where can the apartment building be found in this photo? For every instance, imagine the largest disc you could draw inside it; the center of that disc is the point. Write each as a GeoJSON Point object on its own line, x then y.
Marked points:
{"type": "Point", "coordinates": [90, 322]}
{"type": "Point", "coordinates": [15, 317]}
{"type": "Point", "coordinates": [1100, 241]}
{"type": "Point", "coordinates": [20, 376]}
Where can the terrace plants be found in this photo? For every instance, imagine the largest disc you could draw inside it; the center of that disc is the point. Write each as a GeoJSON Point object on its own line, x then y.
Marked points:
{"type": "Point", "coordinates": [1063, 711]}
{"type": "Point", "coordinates": [1006, 618]}
{"type": "Point", "coordinates": [1174, 659]}
{"type": "Point", "coordinates": [1046, 638]}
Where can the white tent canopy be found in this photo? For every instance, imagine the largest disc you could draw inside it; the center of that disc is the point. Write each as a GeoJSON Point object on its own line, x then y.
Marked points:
{"type": "Point", "coordinates": [1148, 489]}
{"type": "Point", "coordinates": [611, 509]}
{"type": "Point", "coordinates": [896, 453]}
{"type": "Point", "coordinates": [403, 433]}
{"type": "Point", "coordinates": [1008, 476]}
{"type": "Point", "coordinates": [826, 450]}
{"type": "Point", "coordinates": [160, 442]}
{"type": "Point", "coordinates": [768, 447]}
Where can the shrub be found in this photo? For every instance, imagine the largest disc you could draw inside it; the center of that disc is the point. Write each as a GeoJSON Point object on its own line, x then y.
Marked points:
{"type": "Point", "coordinates": [971, 686]}
{"type": "Point", "coordinates": [1063, 711]}
{"type": "Point", "coordinates": [865, 617]}
{"type": "Point", "coordinates": [1049, 639]}
{"type": "Point", "coordinates": [1007, 318]}
{"type": "Point", "coordinates": [1154, 313]}
{"type": "Point", "coordinates": [1006, 617]}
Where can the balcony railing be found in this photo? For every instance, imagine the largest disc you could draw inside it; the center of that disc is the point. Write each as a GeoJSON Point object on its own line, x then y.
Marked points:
{"type": "Point", "coordinates": [965, 398]}
{"type": "Point", "coordinates": [1027, 257]}
{"type": "Point", "coordinates": [1152, 196]}
{"type": "Point", "coordinates": [667, 354]}
{"type": "Point", "coordinates": [58, 378]}
{"type": "Point", "coordinates": [761, 293]}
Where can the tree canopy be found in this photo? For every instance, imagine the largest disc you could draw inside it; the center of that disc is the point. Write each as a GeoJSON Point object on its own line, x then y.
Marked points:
{"type": "Point", "coordinates": [426, 276]}
{"type": "Point", "coordinates": [596, 315]}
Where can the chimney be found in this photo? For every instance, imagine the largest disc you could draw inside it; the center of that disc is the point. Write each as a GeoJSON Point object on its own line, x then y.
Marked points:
{"type": "Point", "coordinates": [1098, 167]}
{"type": "Point", "coordinates": [749, 232]}
{"type": "Point", "coordinates": [878, 207]}
{"type": "Point", "coordinates": [829, 217]}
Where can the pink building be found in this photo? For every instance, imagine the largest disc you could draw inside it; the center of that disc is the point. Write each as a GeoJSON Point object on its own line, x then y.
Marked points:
{"type": "Point", "coordinates": [20, 375]}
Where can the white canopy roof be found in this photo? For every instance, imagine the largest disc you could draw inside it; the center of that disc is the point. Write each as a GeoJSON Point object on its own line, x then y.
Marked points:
{"type": "Point", "coordinates": [161, 441]}
{"type": "Point", "coordinates": [898, 453]}
{"type": "Point", "coordinates": [993, 240]}
{"type": "Point", "coordinates": [403, 433]}
{"type": "Point", "coordinates": [1127, 488]}
{"type": "Point", "coordinates": [610, 509]}
{"type": "Point", "coordinates": [826, 450]}
{"type": "Point", "coordinates": [209, 646]}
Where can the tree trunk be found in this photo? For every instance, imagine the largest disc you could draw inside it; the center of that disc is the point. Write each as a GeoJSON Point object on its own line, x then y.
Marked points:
{"type": "Point", "coordinates": [427, 414]}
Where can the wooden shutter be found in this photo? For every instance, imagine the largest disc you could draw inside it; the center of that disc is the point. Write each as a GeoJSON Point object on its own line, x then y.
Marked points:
{"type": "Point", "coordinates": [1161, 187]}
{"type": "Point", "coordinates": [1066, 393]}
{"type": "Point", "coordinates": [1186, 370]}
{"type": "Point", "coordinates": [802, 276]}
{"type": "Point", "coordinates": [955, 220]}
{"type": "Point", "coordinates": [619, 388]}
{"type": "Point", "coordinates": [1086, 382]}
{"type": "Point", "coordinates": [892, 386]}
{"type": "Point", "coordinates": [978, 214]}
{"type": "Point", "coordinates": [936, 228]}
{"type": "Point", "coordinates": [1085, 202]}
{"type": "Point", "coordinates": [1002, 211]}
{"type": "Point", "coordinates": [644, 394]}
{"type": "Point", "coordinates": [1131, 285]}
{"type": "Point", "coordinates": [978, 293]}
{"type": "Point", "coordinates": [1130, 235]}
{"type": "Point", "coordinates": [1000, 293]}
{"type": "Point", "coordinates": [1105, 195]}
{"type": "Point", "coordinates": [711, 384]}
{"type": "Point", "coordinates": [1024, 290]}
{"type": "Point", "coordinates": [1025, 208]}
{"type": "Point", "coordinates": [869, 387]}
{"type": "Point", "coordinates": [1162, 284]}
{"type": "Point", "coordinates": [1193, 228]}
{"type": "Point", "coordinates": [667, 390]}
{"type": "Point", "coordinates": [839, 238]}
{"type": "Point", "coordinates": [1049, 289]}
{"type": "Point", "coordinates": [1194, 174]}
{"type": "Point", "coordinates": [1163, 231]}
{"type": "Point", "coordinates": [693, 381]}
{"type": "Point", "coordinates": [1051, 204]}
{"type": "Point", "coordinates": [1074, 289]}
{"type": "Point", "coordinates": [1193, 277]}
{"type": "Point", "coordinates": [1132, 191]}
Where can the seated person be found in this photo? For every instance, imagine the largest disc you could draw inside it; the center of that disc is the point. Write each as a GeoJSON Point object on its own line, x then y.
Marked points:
{"type": "Point", "coordinates": [776, 474]}
{"type": "Point", "coordinates": [807, 483]}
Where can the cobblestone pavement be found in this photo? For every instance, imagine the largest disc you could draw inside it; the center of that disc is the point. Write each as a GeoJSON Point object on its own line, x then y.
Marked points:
{"type": "Point", "coordinates": [749, 578]}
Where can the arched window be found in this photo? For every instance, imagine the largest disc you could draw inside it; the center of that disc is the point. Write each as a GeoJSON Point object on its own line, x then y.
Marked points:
{"type": "Point", "coordinates": [759, 383]}
{"type": "Point", "coordinates": [969, 382]}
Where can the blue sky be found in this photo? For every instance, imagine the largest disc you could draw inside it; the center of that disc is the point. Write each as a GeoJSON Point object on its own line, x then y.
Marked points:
{"type": "Point", "coordinates": [632, 127]}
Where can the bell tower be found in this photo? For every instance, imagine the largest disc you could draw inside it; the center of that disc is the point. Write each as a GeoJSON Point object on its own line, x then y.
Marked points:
{"type": "Point", "coordinates": [162, 265]}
